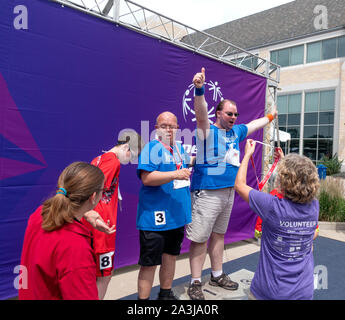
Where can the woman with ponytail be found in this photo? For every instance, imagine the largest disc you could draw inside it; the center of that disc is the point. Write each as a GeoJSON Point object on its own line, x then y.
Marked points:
{"type": "Point", "coordinates": [57, 250]}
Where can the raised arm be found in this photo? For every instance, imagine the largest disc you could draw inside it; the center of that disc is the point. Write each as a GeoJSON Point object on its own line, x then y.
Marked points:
{"type": "Point", "coordinates": [241, 186]}
{"type": "Point", "coordinates": [261, 122]}
{"type": "Point", "coordinates": [200, 105]}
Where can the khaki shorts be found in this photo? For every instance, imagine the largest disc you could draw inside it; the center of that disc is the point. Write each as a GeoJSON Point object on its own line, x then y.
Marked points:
{"type": "Point", "coordinates": [211, 211]}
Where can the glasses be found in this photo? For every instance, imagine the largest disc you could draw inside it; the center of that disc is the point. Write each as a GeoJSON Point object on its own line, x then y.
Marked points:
{"type": "Point", "coordinates": [166, 126]}
{"type": "Point", "coordinates": [230, 114]}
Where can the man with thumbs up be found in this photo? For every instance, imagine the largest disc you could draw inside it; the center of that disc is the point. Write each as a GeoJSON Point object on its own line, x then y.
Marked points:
{"type": "Point", "coordinates": [213, 184]}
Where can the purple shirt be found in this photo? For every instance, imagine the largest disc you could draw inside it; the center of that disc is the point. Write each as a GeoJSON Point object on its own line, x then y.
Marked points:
{"type": "Point", "coordinates": [286, 264]}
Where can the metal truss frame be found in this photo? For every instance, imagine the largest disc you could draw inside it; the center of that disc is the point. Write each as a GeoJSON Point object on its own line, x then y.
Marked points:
{"type": "Point", "coordinates": [270, 136]}
{"type": "Point", "coordinates": [134, 16]}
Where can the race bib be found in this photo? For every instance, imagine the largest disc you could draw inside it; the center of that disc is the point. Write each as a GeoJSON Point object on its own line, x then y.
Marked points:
{"type": "Point", "coordinates": [106, 260]}
{"type": "Point", "coordinates": [232, 156]}
{"type": "Point", "coordinates": [160, 218]}
{"type": "Point", "coordinates": [178, 184]}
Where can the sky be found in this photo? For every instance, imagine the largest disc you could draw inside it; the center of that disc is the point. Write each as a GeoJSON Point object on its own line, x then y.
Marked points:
{"type": "Point", "coordinates": [203, 14]}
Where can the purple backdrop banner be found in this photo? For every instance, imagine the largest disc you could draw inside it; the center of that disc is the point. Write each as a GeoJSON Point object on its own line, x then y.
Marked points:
{"type": "Point", "coordinates": [68, 85]}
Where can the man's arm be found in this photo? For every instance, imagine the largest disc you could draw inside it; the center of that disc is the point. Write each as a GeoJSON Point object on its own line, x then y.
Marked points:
{"type": "Point", "coordinates": [261, 122]}
{"type": "Point", "coordinates": [157, 178]}
{"type": "Point", "coordinates": [200, 105]}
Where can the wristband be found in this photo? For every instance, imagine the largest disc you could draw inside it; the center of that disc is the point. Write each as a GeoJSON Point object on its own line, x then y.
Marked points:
{"type": "Point", "coordinates": [270, 117]}
{"type": "Point", "coordinates": [200, 91]}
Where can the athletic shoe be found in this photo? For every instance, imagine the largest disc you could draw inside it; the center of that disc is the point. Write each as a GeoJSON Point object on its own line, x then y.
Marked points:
{"type": "Point", "coordinates": [223, 281]}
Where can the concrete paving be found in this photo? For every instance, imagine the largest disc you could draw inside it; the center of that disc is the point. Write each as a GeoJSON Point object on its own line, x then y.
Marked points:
{"type": "Point", "coordinates": [124, 280]}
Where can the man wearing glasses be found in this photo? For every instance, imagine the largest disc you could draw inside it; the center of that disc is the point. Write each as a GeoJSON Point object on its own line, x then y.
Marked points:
{"type": "Point", "coordinates": [164, 207]}
{"type": "Point", "coordinates": [217, 163]}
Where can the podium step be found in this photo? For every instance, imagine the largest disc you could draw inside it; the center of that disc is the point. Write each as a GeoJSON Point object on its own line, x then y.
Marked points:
{"type": "Point", "coordinates": [243, 277]}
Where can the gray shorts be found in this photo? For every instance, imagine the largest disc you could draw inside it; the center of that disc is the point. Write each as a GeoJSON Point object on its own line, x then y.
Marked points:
{"type": "Point", "coordinates": [211, 211]}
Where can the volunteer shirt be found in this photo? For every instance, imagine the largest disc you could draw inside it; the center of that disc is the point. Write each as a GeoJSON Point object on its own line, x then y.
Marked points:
{"type": "Point", "coordinates": [107, 206]}
{"type": "Point", "coordinates": [258, 225]}
{"type": "Point", "coordinates": [286, 264]}
{"type": "Point", "coordinates": [60, 264]}
{"type": "Point", "coordinates": [162, 207]}
{"type": "Point", "coordinates": [218, 158]}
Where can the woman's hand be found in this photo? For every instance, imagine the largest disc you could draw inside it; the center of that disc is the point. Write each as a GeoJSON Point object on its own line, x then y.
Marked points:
{"type": "Point", "coordinates": [278, 153]}
{"type": "Point", "coordinates": [250, 147]}
{"type": "Point", "coordinates": [94, 218]}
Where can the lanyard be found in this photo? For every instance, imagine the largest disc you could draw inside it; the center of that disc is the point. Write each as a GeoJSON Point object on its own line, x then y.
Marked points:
{"type": "Point", "coordinates": [171, 150]}
{"type": "Point", "coordinates": [256, 176]}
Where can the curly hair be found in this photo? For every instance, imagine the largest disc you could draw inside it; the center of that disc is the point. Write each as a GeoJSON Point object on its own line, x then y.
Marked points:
{"type": "Point", "coordinates": [298, 179]}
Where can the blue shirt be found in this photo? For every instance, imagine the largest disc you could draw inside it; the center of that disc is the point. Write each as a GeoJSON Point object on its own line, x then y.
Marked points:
{"type": "Point", "coordinates": [162, 207]}
{"type": "Point", "coordinates": [286, 264]}
{"type": "Point", "coordinates": [216, 166]}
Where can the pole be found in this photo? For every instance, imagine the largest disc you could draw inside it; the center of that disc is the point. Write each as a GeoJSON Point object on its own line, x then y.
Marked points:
{"type": "Point", "coordinates": [277, 120]}
{"type": "Point", "coordinates": [116, 9]}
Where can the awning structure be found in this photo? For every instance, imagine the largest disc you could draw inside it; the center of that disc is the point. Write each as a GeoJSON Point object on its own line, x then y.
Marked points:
{"type": "Point", "coordinates": [283, 136]}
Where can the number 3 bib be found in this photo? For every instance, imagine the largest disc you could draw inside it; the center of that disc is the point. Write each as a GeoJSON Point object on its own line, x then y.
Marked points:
{"type": "Point", "coordinates": [159, 218]}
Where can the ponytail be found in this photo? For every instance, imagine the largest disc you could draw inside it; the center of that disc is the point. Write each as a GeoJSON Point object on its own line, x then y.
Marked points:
{"type": "Point", "coordinates": [78, 182]}
{"type": "Point", "coordinates": [56, 212]}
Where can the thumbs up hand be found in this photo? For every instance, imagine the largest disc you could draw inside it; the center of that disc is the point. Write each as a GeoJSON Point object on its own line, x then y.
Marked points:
{"type": "Point", "coordinates": [199, 78]}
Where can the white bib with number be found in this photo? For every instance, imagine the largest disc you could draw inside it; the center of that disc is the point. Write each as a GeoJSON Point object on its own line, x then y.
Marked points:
{"type": "Point", "coordinates": [106, 261]}
{"type": "Point", "coordinates": [178, 184]}
{"type": "Point", "coordinates": [160, 218]}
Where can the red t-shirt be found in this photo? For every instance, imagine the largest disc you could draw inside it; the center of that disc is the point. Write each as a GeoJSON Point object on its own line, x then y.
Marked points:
{"type": "Point", "coordinates": [107, 206]}
{"type": "Point", "coordinates": [60, 264]}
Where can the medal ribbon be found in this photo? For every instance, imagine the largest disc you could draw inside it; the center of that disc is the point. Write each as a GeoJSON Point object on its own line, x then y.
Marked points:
{"type": "Point", "coordinates": [268, 175]}
{"type": "Point", "coordinates": [171, 150]}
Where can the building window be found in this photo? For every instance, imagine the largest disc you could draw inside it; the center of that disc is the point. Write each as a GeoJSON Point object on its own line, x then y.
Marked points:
{"type": "Point", "coordinates": [341, 47]}
{"type": "Point", "coordinates": [318, 123]}
{"type": "Point", "coordinates": [326, 49]}
{"type": "Point", "coordinates": [289, 56]}
{"type": "Point", "coordinates": [316, 51]}
{"type": "Point", "coordinates": [313, 52]}
{"type": "Point", "coordinates": [289, 109]}
{"type": "Point", "coordinates": [329, 49]}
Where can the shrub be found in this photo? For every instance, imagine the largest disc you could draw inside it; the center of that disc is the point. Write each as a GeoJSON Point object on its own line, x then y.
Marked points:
{"type": "Point", "coordinates": [333, 164]}
{"type": "Point", "coordinates": [332, 200]}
